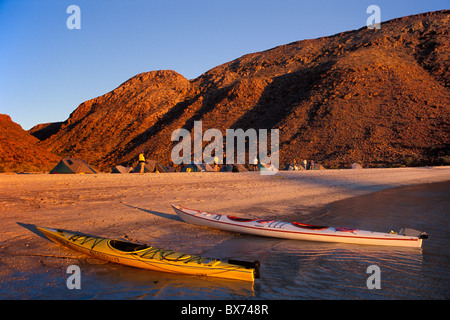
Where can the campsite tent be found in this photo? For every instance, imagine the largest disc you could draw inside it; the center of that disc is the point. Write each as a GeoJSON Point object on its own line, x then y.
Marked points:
{"type": "Point", "coordinates": [194, 167]}
{"type": "Point", "coordinates": [121, 169]}
{"type": "Point", "coordinates": [150, 166]}
{"type": "Point", "coordinates": [172, 169]}
{"type": "Point", "coordinates": [226, 168]}
{"type": "Point", "coordinates": [293, 167]}
{"type": "Point", "coordinates": [239, 168]}
{"type": "Point", "coordinates": [318, 167]}
{"type": "Point", "coordinates": [70, 165]}
{"type": "Point", "coordinates": [233, 168]}
{"type": "Point", "coordinates": [262, 167]}
{"type": "Point", "coordinates": [356, 165]}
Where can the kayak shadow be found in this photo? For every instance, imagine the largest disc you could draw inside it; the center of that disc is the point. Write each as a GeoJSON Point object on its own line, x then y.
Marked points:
{"type": "Point", "coordinates": [157, 213]}
{"type": "Point", "coordinates": [32, 228]}
{"type": "Point", "coordinates": [35, 230]}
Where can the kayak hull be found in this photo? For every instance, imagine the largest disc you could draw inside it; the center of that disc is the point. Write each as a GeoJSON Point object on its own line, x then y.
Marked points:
{"type": "Point", "coordinates": [294, 230]}
{"type": "Point", "coordinates": [151, 258]}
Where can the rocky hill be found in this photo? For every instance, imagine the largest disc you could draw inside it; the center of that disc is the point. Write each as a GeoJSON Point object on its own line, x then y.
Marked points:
{"type": "Point", "coordinates": [19, 151]}
{"type": "Point", "coordinates": [378, 97]}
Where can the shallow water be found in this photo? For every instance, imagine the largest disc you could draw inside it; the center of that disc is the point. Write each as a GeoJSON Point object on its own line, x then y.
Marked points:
{"type": "Point", "coordinates": [291, 269]}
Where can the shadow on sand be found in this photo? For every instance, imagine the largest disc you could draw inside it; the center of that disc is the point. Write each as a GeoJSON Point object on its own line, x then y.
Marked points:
{"type": "Point", "coordinates": [157, 213]}
{"type": "Point", "coordinates": [32, 228]}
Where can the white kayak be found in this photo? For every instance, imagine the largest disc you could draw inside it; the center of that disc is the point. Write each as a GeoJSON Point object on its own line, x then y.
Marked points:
{"type": "Point", "coordinates": [300, 231]}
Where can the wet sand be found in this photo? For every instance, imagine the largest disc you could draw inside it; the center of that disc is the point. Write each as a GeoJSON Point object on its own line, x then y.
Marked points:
{"type": "Point", "coordinates": [137, 207]}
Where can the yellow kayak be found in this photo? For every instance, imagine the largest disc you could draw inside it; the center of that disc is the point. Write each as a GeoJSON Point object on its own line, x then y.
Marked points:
{"type": "Point", "coordinates": [148, 257]}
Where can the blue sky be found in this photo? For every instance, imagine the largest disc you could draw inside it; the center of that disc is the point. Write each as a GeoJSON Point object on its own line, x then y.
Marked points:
{"type": "Point", "coordinates": [47, 70]}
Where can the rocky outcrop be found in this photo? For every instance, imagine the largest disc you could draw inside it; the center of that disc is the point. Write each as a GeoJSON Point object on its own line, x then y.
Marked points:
{"type": "Point", "coordinates": [19, 151]}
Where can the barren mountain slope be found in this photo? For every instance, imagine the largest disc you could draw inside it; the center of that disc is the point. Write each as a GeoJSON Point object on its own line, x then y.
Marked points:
{"type": "Point", "coordinates": [379, 97]}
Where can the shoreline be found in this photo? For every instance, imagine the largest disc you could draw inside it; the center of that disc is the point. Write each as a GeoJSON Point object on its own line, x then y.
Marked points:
{"type": "Point", "coordinates": [137, 207]}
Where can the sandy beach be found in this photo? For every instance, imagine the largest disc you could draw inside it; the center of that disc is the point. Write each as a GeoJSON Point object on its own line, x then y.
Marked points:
{"type": "Point", "coordinates": [137, 207]}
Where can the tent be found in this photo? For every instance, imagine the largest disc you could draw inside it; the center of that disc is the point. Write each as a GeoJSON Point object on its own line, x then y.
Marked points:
{"type": "Point", "coordinates": [226, 168]}
{"type": "Point", "coordinates": [172, 169]}
{"type": "Point", "coordinates": [262, 167]}
{"type": "Point", "coordinates": [195, 167]}
{"type": "Point", "coordinates": [121, 169]}
{"type": "Point", "coordinates": [233, 168]}
{"type": "Point", "coordinates": [318, 167]}
{"type": "Point", "coordinates": [293, 167]}
{"type": "Point", "coordinates": [356, 165]}
{"type": "Point", "coordinates": [71, 165]}
{"type": "Point", "coordinates": [150, 166]}
{"type": "Point", "coordinates": [239, 168]}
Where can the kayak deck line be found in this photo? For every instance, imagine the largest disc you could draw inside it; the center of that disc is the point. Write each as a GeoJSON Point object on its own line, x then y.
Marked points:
{"type": "Point", "coordinates": [298, 231]}
{"type": "Point", "coordinates": [149, 257]}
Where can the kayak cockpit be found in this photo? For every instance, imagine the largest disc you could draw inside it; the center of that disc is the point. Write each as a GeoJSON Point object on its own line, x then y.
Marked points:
{"type": "Point", "coordinates": [126, 246]}
{"type": "Point", "coordinates": [237, 219]}
{"type": "Point", "coordinates": [308, 226]}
